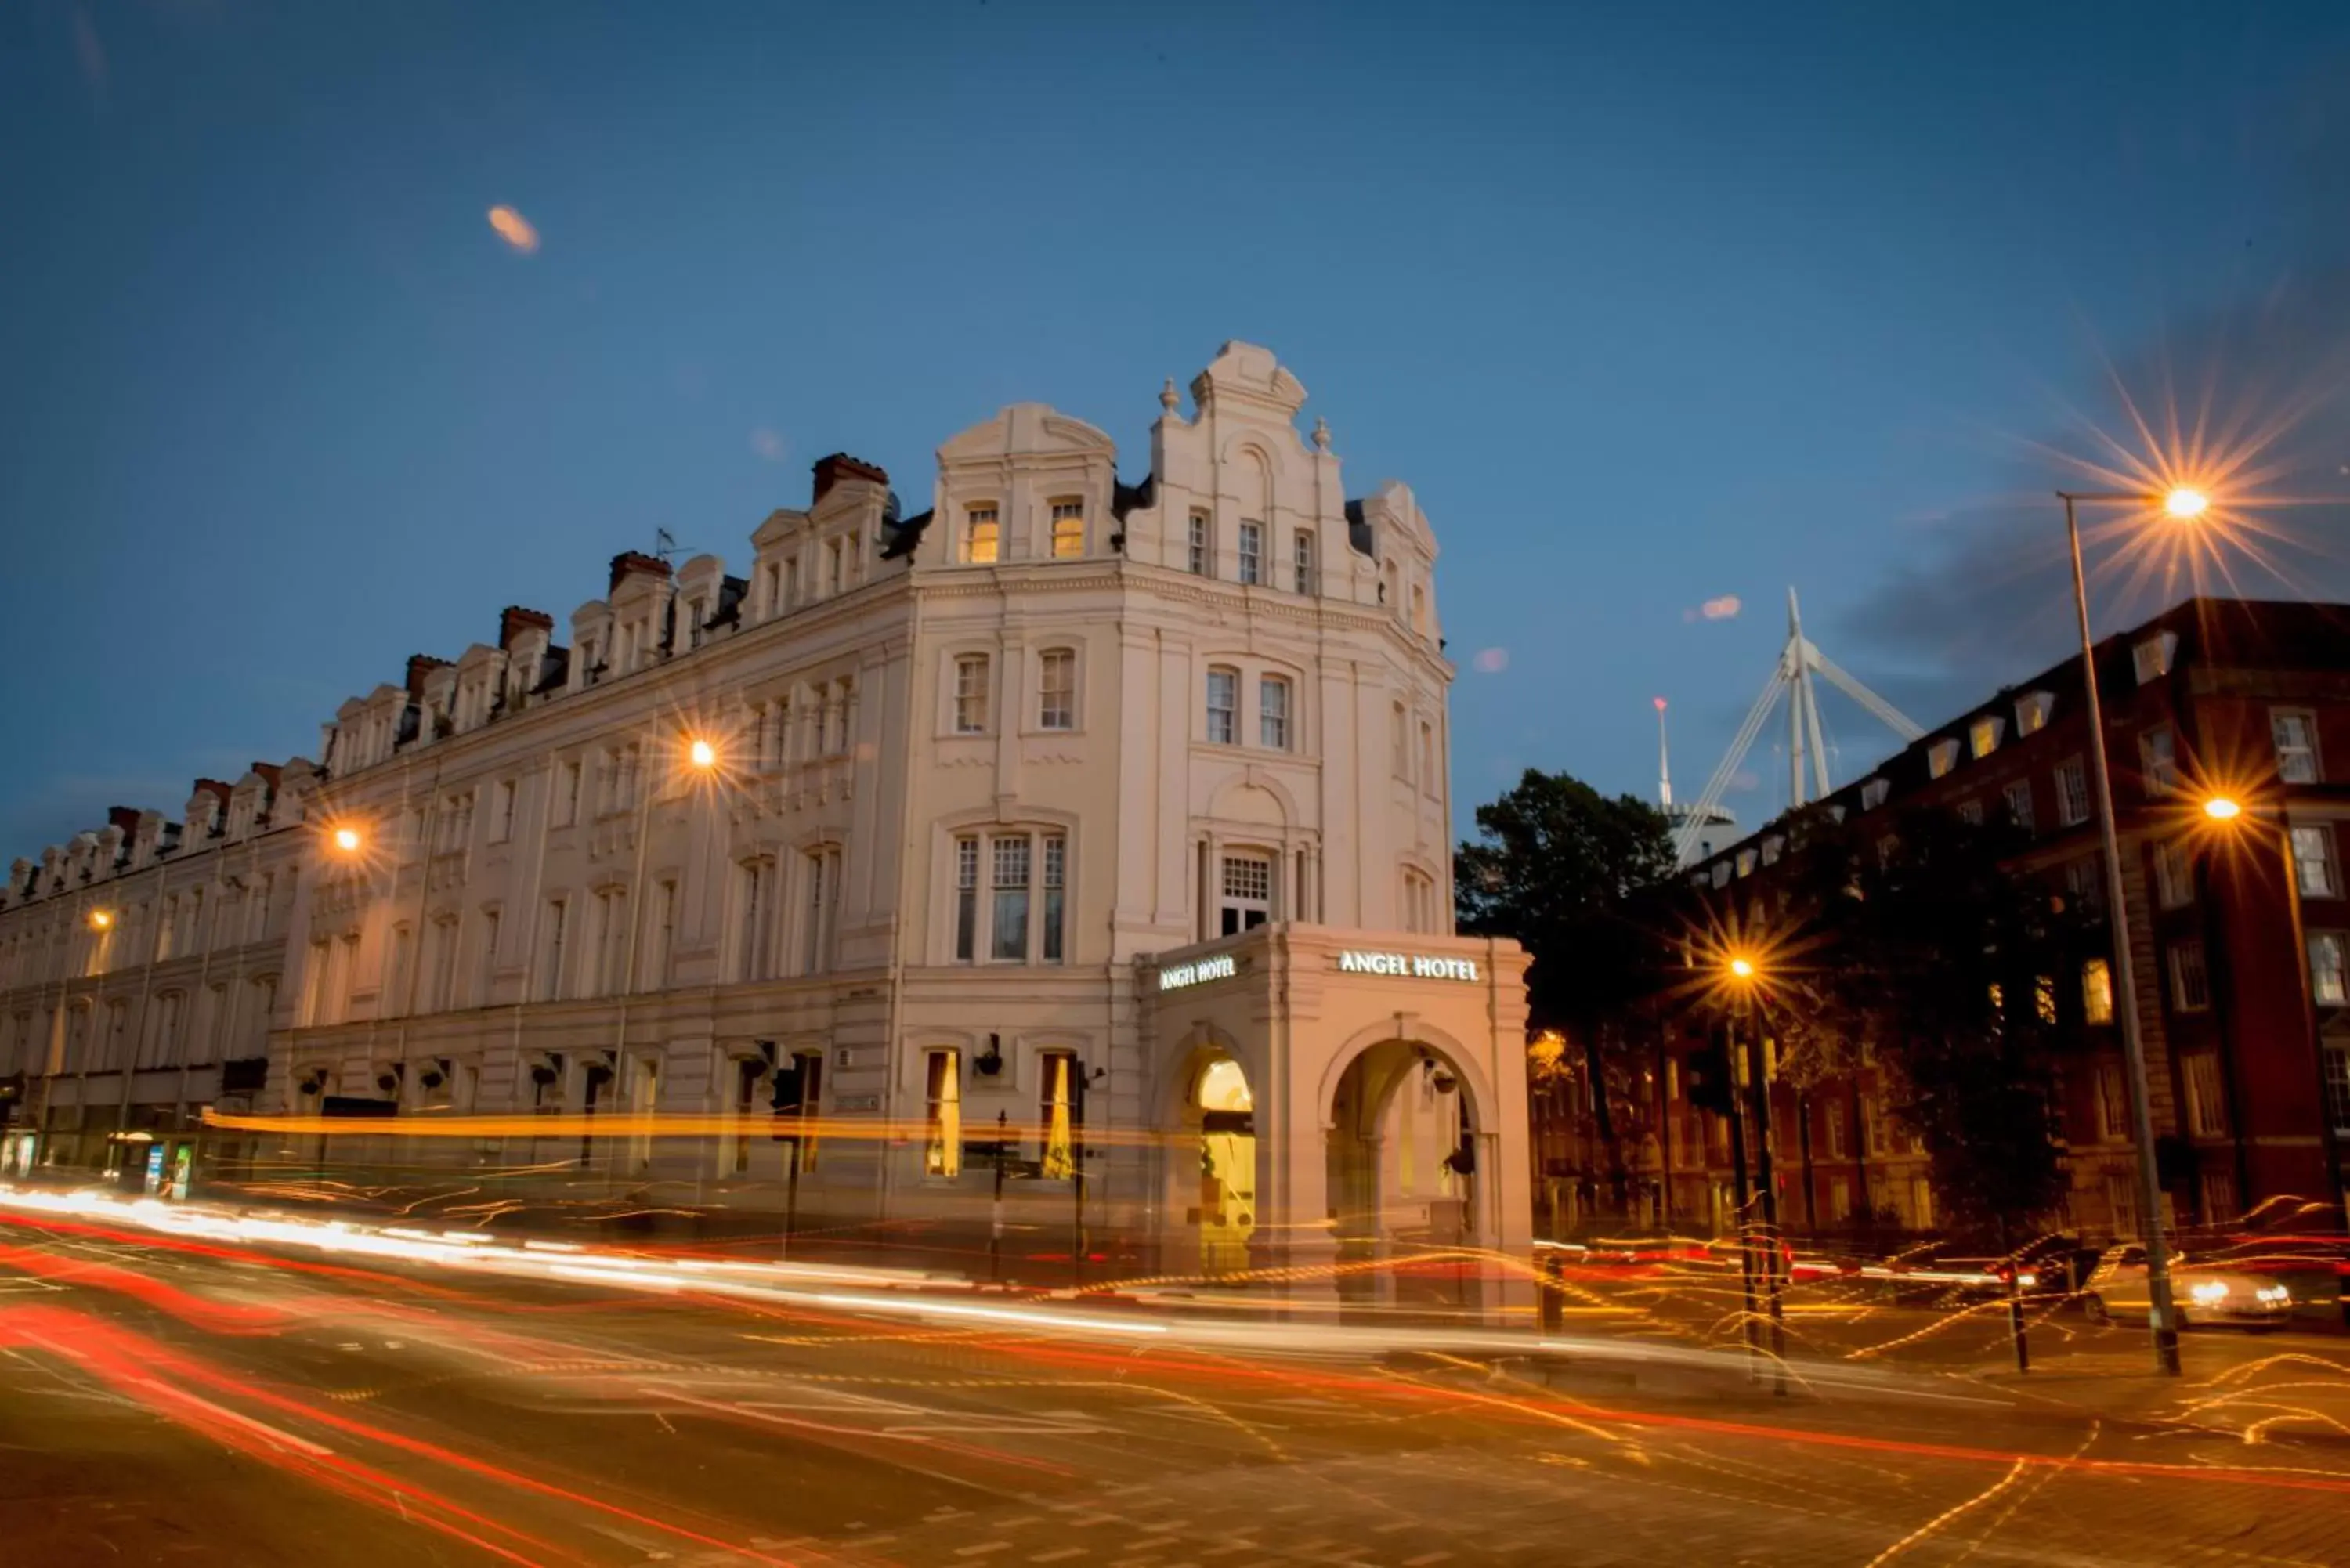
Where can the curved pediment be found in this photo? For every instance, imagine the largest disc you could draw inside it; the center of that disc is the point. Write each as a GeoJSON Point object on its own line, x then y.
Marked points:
{"type": "Point", "coordinates": [1022, 429]}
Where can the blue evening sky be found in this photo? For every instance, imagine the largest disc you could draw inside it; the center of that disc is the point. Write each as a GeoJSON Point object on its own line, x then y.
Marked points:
{"type": "Point", "coordinates": [1653, 306]}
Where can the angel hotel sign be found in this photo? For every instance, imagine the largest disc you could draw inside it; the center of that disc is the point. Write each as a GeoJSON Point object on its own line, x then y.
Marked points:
{"type": "Point", "coordinates": [1407, 966]}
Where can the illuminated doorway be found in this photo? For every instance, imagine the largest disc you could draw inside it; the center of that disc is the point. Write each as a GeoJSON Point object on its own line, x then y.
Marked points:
{"type": "Point", "coordinates": [1227, 1167]}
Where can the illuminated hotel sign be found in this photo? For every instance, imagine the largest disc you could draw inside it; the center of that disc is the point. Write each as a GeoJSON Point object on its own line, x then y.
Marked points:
{"type": "Point", "coordinates": [1221, 967]}
{"type": "Point", "coordinates": [1407, 966]}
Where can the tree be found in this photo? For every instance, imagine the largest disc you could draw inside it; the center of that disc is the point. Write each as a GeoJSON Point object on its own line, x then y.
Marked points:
{"type": "Point", "coordinates": [1561, 868]}
{"type": "Point", "coordinates": [1923, 943]}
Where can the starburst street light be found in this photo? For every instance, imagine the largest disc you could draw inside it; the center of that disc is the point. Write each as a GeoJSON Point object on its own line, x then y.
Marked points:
{"type": "Point", "coordinates": [101, 919]}
{"type": "Point", "coordinates": [348, 840]}
{"type": "Point", "coordinates": [2186, 503]}
{"type": "Point", "coordinates": [2183, 503]}
{"type": "Point", "coordinates": [1741, 967]}
{"type": "Point", "coordinates": [2223, 809]}
{"type": "Point", "coordinates": [702, 755]}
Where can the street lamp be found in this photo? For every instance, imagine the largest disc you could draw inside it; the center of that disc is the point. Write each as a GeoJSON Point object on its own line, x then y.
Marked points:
{"type": "Point", "coordinates": [101, 919]}
{"type": "Point", "coordinates": [2184, 504]}
{"type": "Point", "coordinates": [702, 754]}
{"type": "Point", "coordinates": [348, 840]}
{"type": "Point", "coordinates": [1743, 974]}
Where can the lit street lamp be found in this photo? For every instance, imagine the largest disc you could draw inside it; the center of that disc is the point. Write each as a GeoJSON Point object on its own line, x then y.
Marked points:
{"type": "Point", "coordinates": [348, 840]}
{"type": "Point", "coordinates": [2184, 504]}
{"type": "Point", "coordinates": [1743, 974]}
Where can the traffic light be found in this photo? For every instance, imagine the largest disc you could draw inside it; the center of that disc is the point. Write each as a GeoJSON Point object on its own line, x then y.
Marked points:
{"type": "Point", "coordinates": [1711, 1084]}
{"type": "Point", "coordinates": [790, 1085]}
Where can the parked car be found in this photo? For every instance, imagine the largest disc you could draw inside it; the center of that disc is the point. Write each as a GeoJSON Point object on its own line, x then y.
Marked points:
{"type": "Point", "coordinates": [2204, 1294]}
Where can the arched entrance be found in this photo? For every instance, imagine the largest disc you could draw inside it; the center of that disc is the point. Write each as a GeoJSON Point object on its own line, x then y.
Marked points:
{"type": "Point", "coordinates": [1226, 1113]}
{"type": "Point", "coordinates": [1401, 1157]}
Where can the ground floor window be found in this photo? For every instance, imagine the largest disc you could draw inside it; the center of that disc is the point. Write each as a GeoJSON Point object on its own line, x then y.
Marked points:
{"type": "Point", "coordinates": [1057, 1116]}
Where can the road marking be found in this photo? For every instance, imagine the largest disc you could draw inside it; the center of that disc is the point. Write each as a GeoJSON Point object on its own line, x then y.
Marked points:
{"type": "Point", "coordinates": [982, 1549]}
{"type": "Point", "coordinates": [1425, 1558]}
{"type": "Point", "coordinates": [1058, 1554]}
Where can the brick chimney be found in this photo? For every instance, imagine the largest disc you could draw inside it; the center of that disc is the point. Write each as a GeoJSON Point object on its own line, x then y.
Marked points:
{"type": "Point", "coordinates": [125, 818]}
{"type": "Point", "coordinates": [629, 562]}
{"type": "Point", "coordinates": [514, 620]}
{"type": "Point", "coordinates": [840, 467]}
{"type": "Point", "coordinates": [420, 665]}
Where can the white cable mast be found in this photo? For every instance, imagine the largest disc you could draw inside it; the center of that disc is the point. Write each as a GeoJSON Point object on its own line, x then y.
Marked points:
{"type": "Point", "coordinates": [1800, 661]}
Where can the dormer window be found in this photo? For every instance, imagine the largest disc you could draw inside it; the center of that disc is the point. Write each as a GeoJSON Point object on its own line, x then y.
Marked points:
{"type": "Point", "coordinates": [2031, 712]}
{"type": "Point", "coordinates": [1873, 794]}
{"type": "Point", "coordinates": [1068, 530]}
{"type": "Point", "coordinates": [1746, 863]}
{"type": "Point", "coordinates": [979, 536]}
{"type": "Point", "coordinates": [1941, 757]}
{"type": "Point", "coordinates": [2152, 657]}
{"type": "Point", "coordinates": [1772, 847]}
{"type": "Point", "coordinates": [1984, 735]}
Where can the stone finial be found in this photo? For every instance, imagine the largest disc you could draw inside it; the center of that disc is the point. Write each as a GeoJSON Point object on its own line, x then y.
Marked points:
{"type": "Point", "coordinates": [1168, 397]}
{"type": "Point", "coordinates": [1321, 434]}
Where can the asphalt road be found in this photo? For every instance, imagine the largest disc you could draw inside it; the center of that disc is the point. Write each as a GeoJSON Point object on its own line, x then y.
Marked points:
{"type": "Point", "coordinates": [177, 1402]}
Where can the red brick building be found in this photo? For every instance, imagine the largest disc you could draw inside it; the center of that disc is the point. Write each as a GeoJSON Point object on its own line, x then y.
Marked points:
{"type": "Point", "coordinates": [2240, 930]}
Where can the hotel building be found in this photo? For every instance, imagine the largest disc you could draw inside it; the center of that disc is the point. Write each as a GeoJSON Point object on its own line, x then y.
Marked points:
{"type": "Point", "coordinates": [1116, 815]}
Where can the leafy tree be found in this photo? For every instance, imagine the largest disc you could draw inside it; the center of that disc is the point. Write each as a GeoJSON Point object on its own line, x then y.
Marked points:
{"type": "Point", "coordinates": [1923, 943]}
{"type": "Point", "coordinates": [1561, 868]}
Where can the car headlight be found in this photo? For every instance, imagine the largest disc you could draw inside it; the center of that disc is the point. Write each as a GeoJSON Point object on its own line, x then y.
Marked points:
{"type": "Point", "coordinates": [2275, 1294]}
{"type": "Point", "coordinates": [2027, 1280]}
{"type": "Point", "coordinates": [2210, 1290]}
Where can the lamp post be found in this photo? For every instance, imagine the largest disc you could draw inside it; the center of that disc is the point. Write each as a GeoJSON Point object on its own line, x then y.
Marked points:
{"type": "Point", "coordinates": [1743, 976]}
{"type": "Point", "coordinates": [2184, 504]}
{"type": "Point", "coordinates": [701, 756]}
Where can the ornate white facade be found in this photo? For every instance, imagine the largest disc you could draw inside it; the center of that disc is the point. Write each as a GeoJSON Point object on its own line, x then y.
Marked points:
{"type": "Point", "coordinates": [977, 777]}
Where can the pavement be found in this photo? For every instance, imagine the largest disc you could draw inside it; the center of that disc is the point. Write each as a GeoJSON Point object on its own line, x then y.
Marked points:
{"type": "Point", "coordinates": [169, 1399]}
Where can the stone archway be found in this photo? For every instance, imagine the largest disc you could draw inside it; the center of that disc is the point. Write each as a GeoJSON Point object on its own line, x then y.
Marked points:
{"type": "Point", "coordinates": [1402, 1159]}
{"type": "Point", "coordinates": [1214, 1172]}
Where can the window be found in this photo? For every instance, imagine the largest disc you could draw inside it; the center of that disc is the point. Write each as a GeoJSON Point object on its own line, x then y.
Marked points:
{"type": "Point", "coordinates": [566, 796]}
{"type": "Point", "coordinates": [2313, 861]}
{"type": "Point", "coordinates": [2157, 751]}
{"type": "Point", "coordinates": [2072, 794]}
{"type": "Point", "coordinates": [610, 956]}
{"type": "Point", "coordinates": [2098, 991]}
{"type": "Point", "coordinates": [942, 1116]}
{"type": "Point", "coordinates": [1056, 1114]}
{"type": "Point", "coordinates": [832, 566]}
{"type": "Point", "coordinates": [1068, 530]}
{"type": "Point", "coordinates": [1056, 876]}
{"type": "Point", "coordinates": [1419, 902]}
{"type": "Point", "coordinates": [550, 957]}
{"type": "Point", "coordinates": [2329, 973]}
{"type": "Point", "coordinates": [836, 716]}
{"type": "Point", "coordinates": [1873, 794]}
{"type": "Point", "coordinates": [2112, 1103]}
{"type": "Point", "coordinates": [1222, 699]}
{"type": "Point", "coordinates": [1272, 712]}
{"type": "Point", "coordinates": [971, 694]}
{"type": "Point", "coordinates": [1302, 555]}
{"type": "Point", "coordinates": [2043, 999]}
{"type": "Point", "coordinates": [2337, 1085]}
{"type": "Point", "coordinates": [1430, 776]}
{"type": "Point", "coordinates": [755, 936]}
{"type": "Point", "coordinates": [2191, 984]}
{"type": "Point", "coordinates": [394, 1000]}
{"type": "Point", "coordinates": [1399, 745]}
{"type": "Point", "coordinates": [979, 536]}
{"type": "Point", "coordinates": [1941, 757]}
{"type": "Point", "coordinates": [485, 972]}
{"type": "Point", "coordinates": [823, 879]}
{"type": "Point", "coordinates": [1983, 736]}
{"type": "Point", "coordinates": [2031, 712]}
{"type": "Point", "coordinates": [1248, 893]}
{"type": "Point", "coordinates": [1009, 915]}
{"type": "Point", "coordinates": [966, 897]}
{"type": "Point", "coordinates": [2019, 804]}
{"type": "Point", "coordinates": [2207, 1109]}
{"type": "Point", "coordinates": [1057, 689]}
{"type": "Point", "coordinates": [1252, 552]}
{"type": "Point", "coordinates": [791, 591]}
{"type": "Point", "coordinates": [1199, 546]}
{"type": "Point", "coordinates": [2295, 731]}
{"type": "Point", "coordinates": [441, 980]}
{"type": "Point", "coordinates": [1970, 812]}
{"type": "Point", "coordinates": [2084, 882]}
{"type": "Point", "coordinates": [2151, 658]}
{"type": "Point", "coordinates": [2174, 877]}
{"type": "Point", "coordinates": [502, 812]}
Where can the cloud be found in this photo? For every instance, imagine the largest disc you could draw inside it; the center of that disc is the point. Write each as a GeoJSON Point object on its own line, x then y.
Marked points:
{"type": "Point", "coordinates": [1721, 608]}
{"type": "Point", "coordinates": [1491, 660]}
{"type": "Point", "coordinates": [769, 446]}
{"type": "Point", "coordinates": [515, 229]}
